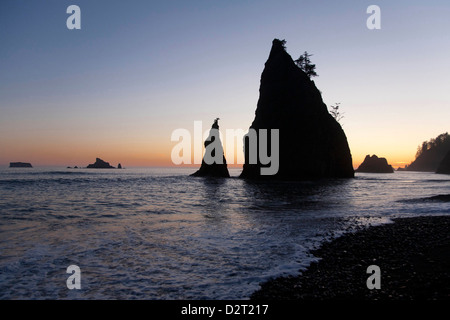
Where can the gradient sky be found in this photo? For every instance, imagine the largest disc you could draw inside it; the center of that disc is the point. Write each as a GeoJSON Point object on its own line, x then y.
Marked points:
{"type": "Point", "coordinates": [137, 70]}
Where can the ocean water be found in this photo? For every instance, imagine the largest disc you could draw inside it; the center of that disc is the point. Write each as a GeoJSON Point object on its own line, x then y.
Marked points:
{"type": "Point", "coordinates": [159, 234]}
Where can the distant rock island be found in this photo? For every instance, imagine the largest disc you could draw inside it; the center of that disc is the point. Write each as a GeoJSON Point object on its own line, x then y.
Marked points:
{"type": "Point", "coordinates": [100, 164]}
{"type": "Point", "coordinates": [214, 169]}
{"type": "Point", "coordinates": [20, 165]}
{"type": "Point", "coordinates": [444, 166]}
{"type": "Point", "coordinates": [119, 166]}
{"type": "Point", "coordinates": [431, 153]}
{"type": "Point", "coordinates": [312, 143]}
{"type": "Point", "coordinates": [373, 164]}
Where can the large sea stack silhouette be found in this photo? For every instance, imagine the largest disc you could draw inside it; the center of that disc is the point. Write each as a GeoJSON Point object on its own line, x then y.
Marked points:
{"type": "Point", "coordinates": [312, 144]}
{"type": "Point", "coordinates": [213, 168]}
{"type": "Point", "coordinates": [373, 164]}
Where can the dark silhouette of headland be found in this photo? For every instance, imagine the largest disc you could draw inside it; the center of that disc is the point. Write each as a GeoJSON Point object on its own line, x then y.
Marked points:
{"type": "Point", "coordinates": [20, 165]}
{"type": "Point", "coordinates": [373, 164]}
{"type": "Point", "coordinates": [312, 144]}
{"type": "Point", "coordinates": [211, 167]}
{"type": "Point", "coordinates": [444, 166]}
{"type": "Point", "coordinates": [100, 164]}
{"type": "Point", "coordinates": [430, 154]}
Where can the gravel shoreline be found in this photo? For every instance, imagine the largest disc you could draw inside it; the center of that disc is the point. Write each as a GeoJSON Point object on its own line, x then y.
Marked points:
{"type": "Point", "coordinates": [413, 255]}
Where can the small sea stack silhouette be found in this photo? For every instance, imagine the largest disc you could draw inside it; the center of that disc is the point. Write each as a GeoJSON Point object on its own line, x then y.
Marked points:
{"type": "Point", "coordinates": [214, 163]}
{"type": "Point", "coordinates": [373, 164]}
{"type": "Point", "coordinates": [20, 165]}
{"type": "Point", "coordinates": [100, 164]}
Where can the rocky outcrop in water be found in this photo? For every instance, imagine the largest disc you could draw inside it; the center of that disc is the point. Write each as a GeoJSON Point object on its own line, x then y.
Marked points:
{"type": "Point", "coordinates": [100, 164]}
{"type": "Point", "coordinates": [20, 165]}
{"type": "Point", "coordinates": [119, 166]}
{"type": "Point", "coordinates": [214, 163]}
{"type": "Point", "coordinates": [312, 144]}
{"type": "Point", "coordinates": [444, 166]}
{"type": "Point", "coordinates": [373, 164]}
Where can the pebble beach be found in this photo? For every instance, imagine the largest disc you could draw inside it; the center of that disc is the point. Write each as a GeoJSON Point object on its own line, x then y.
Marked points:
{"type": "Point", "coordinates": [413, 255]}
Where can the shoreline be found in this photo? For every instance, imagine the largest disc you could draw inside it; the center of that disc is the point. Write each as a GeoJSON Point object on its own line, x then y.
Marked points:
{"type": "Point", "coordinates": [413, 255]}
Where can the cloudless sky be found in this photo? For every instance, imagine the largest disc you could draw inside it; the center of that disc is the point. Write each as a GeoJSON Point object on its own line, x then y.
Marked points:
{"type": "Point", "coordinates": [137, 70]}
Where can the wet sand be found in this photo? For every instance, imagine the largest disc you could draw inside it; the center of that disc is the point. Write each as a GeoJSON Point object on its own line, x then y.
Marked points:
{"type": "Point", "coordinates": [413, 255]}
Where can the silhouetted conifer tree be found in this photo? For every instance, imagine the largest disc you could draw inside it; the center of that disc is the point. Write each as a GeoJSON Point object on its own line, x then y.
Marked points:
{"type": "Point", "coordinates": [304, 63]}
{"type": "Point", "coordinates": [334, 111]}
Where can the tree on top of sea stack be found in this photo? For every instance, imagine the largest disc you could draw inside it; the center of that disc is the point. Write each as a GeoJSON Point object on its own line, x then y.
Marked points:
{"type": "Point", "coordinates": [312, 144]}
{"type": "Point", "coordinates": [214, 163]}
{"type": "Point", "coordinates": [304, 63]}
